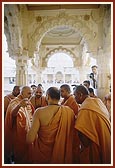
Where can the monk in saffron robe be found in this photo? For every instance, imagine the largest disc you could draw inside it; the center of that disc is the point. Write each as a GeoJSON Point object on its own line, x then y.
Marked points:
{"type": "Point", "coordinates": [11, 96]}
{"type": "Point", "coordinates": [69, 99]}
{"type": "Point", "coordinates": [17, 122]}
{"type": "Point", "coordinates": [38, 100]}
{"type": "Point", "coordinates": [94, 129]}
{"type": "Point", "coordinates": [52, 131]}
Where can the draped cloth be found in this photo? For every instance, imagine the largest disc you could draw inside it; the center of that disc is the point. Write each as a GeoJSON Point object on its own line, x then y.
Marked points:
{"type": "Point", "coordinates": [54, 143]}
{"type": "Point", "coordinates": [7, 100]}
{"type": "Point", "coordinates": [15, 133]}
{"type": "Point", "coordinates": [93, 121]}
{"type": "Point", "coordinates": [71, 102]}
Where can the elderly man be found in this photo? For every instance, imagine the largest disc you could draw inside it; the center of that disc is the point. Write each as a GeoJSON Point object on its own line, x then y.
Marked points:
{"type": "Point", "coordinates": [93, 127]}
{"type": "Point", "coordinates": [17, 122]}
{"type": "Point", "coordinates": [54, 125]}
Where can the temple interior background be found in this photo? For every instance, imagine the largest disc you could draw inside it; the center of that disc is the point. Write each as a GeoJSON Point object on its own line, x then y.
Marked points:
{"type": "Point", "coordinates": [55, 43]}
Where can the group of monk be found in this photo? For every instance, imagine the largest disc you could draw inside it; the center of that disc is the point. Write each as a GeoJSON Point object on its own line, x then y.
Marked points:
{"type": "Point", "coordinates": [56, 127]}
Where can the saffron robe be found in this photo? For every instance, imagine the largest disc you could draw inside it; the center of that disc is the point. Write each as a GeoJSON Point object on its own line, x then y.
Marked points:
{"type": "Point", "coordinates": [7, 100]}
{"type": "Point", "coordinates": [93, 121]}
{"type": "Point", "coordinates": [15, 133]}
{"type": "Point", "coordinates": [71, 102]}
{"type": "Point", "coordinates": [54, 142]}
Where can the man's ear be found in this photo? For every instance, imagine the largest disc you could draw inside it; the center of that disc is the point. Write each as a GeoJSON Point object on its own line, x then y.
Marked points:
{"type": "Point", "coordinates": [47, 97]}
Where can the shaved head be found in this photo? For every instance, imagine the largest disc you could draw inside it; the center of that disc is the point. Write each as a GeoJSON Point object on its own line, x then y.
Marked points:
{"type": "Point", "coordinates": [26, 92]}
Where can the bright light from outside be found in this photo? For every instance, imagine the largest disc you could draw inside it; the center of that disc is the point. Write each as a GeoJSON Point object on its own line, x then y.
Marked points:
{"type": "Point", "coordinates": [60, 60]}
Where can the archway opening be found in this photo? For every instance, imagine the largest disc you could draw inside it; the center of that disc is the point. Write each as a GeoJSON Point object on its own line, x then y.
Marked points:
{"type": "Point", "coordinates": [60, 59]}
{"type": "Point", "coordinates": [60, 69]}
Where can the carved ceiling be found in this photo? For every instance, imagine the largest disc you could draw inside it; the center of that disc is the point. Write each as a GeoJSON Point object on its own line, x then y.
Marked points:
{"type": "Point", "coordinates": [61, 31]}
{"type": "Point", "coordinates": [62, 34]}
{"type": "Point", "coordinates": [29, 26]}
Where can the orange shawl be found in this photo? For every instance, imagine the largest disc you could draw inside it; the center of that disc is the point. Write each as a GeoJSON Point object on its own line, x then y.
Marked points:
{"type": "Point", "coordinates": [71, 102]}
{"type": "Point", "coordinates": [93, 121]}
{"type": "Point", "coordinates": [7, 100]}
{"type": "Point", "coordinates": [54, 143]}
{"type": "Point", "coordinates": [15, 133]}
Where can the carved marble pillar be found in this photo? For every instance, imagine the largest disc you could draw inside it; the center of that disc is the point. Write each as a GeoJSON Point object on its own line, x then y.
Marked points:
{"type": "Point", "coordinates": [103, 57]}
{"type": "Point", "coordinates": [21, 71]}
{"type": "Point", "coordinates": [103, 62]}
{"type": "Point", "coordinates": [104, 72]}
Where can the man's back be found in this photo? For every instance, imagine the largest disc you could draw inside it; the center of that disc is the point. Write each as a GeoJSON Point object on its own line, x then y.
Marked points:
{"type": "Point", "coordinates": [52, 131]}
{"type": "Point", "coordinates": [55, 135]}
{"type": "Point", "coordinates": [46, 114]}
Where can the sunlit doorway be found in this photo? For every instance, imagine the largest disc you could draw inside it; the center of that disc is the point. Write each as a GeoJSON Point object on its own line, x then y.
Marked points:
{"type": "Point", "coordinates": [60, 69]}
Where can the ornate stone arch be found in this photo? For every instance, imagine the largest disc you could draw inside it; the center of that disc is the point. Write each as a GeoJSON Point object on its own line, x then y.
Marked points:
{"type": "Point", "coordinates": [57, 50]}
{"type": "Point", "coordinates": [63, 19]}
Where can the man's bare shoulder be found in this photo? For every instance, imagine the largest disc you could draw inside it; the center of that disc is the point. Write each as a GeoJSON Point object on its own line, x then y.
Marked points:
{"type": "Point", "coordinates": [41, 110]}
{"type": "Point", "coordinates": [42, 114]}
